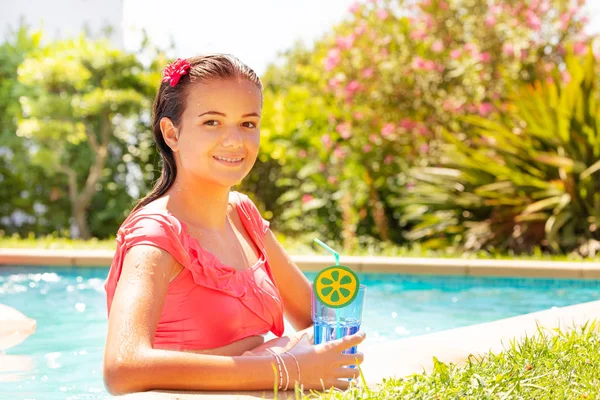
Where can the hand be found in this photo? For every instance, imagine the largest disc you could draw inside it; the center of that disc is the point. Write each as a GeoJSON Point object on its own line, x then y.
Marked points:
{"type": "Point", "coordinates": [323, 366]}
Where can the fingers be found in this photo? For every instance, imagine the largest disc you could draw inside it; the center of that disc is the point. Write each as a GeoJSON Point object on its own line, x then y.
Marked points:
{"type": "Point", "coordinates": [349, 341]}
{"type": "Point", "coordinates": [351, 359]}
{"type": "Point", "coordinates": [346, 373]}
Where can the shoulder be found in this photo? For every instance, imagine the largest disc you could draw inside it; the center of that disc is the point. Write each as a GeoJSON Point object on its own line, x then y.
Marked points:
{"type": "Point", "coordinates": [152, 219]}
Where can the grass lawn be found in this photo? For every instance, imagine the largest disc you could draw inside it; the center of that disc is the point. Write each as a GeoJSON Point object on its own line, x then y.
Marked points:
{"type": "Point", "coordinates": [303, 247]}
{"type": "Point", "coordinates": [552, 365]}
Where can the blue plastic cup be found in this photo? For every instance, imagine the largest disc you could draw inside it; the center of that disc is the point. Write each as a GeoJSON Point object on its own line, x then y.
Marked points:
{"type": "Point", "coordinates": [326, 324]}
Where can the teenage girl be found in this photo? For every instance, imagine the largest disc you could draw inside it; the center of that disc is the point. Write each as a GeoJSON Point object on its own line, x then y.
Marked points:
{"type": "Point", "coordinates": [198, 277]}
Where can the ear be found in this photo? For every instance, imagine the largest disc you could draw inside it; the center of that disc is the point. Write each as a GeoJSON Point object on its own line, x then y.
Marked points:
{"type": "Point", "coordinates": [170, 133]}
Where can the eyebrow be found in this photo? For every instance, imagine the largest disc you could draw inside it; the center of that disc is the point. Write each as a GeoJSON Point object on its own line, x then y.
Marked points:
{"type": "Point", "coordinates": [224, 115]}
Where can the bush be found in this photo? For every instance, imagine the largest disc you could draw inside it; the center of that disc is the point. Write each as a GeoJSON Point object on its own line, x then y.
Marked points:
{"type": "Point", "coordinates": [529, 177]}
{"type": "Point", "coordinates": [373, 98]}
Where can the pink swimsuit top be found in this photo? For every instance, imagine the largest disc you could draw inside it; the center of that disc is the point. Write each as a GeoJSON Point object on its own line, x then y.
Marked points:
{"type": "Point", "coordinates": [209, 304]}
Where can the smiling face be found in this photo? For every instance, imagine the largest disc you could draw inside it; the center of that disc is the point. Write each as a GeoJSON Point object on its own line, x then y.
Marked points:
{"type": "Point", "coordinates": [218, 138]}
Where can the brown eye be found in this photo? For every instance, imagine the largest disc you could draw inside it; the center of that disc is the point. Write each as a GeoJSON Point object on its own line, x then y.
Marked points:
{"type": "Point", "coordinates": [211, 122]}
{"type": "Point", "coordinates": [249, 125]}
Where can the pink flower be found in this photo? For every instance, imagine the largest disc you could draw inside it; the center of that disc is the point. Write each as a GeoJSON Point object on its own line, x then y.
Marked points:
{"type": "Point", "coordinates": [579, 48]}
{"type": "Point", "coordinates": [407, 124]}
{"type": "Point", "coordinates": [424, 148]}
{"type": "Point", "coordinates": [339, 152]}
{"type": "Point", "coordinates": [485, 109]}
{"type": "Point", "coordinates": [455, 54]}
{"type": "Point", "coordinates": [422, 129]}
{"type": "Point", "coordinates": [352, 88]}
{"type": "Point", "coordinates": [565, 20]}
{"type": "Point", "coordinates": [490, 20]}
{"type": "Point", "coordinates": [485, 57]}
{"type": "Point", "coordinates": [381, 13]}
{"type": "Point", "coordinates": [367, 148]}
{"type": "Point", "coordinates": [418, 34]}
{"type": "Point", "coordinates": [533, 20]}
{"type": "Point", "coordinates": [388, 129]}
{"type": "Point", "coordinates": [367, 72]}
{"type": "Point", "coordinates": [358, 115]}
{"type": "Point", "coordinates": [508, 49]}
{"type": "Point", "coordinates": [443, 5]}
{"type": "Point", "coordinates": [174, 71]}
{"type": "Point", "coordinates": [388, 159]}
{"type": "Point", "coordinates": [360, 29]}
{"type": "Point", "coordinates": [496, 9]}
{"type": "Point", "coordinates": [471, 48]}
{"type": "Point", "coordinates": [333, 59]}
{"type": "Point", "coordinates": [333, 83]}
{"type": "Point", "coordinates": [437, 46]}
{"type": "Point", "coordinates": [344, 130]}
{"type": "Point", "coordinates": [302, 153]}
{"type": "Point", "coordinates": [326, 141]}
{"type": "Point", "coordinates": [332, 179]}
{"type": "Point", "coordinates": [354, 7]}
{"type": "Point", "coordinates": [307, 198]}
{"type": "Point", "coordinates": [566, 76]}
{"type": "Point", "coordinates": [449, 105]}
{"type": "Point", "coordinates": [373, 138]}
{"type": "Point", "coordinates": [345, 42]}
{"type": "Point", "coordinates": [429, 65]}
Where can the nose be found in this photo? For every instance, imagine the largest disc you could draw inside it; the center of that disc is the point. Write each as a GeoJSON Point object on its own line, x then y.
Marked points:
{"type": "Point", "coordinates": [232, 138]}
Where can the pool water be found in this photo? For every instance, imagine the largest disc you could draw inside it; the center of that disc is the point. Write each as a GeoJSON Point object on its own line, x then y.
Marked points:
{"type": "Point", "coordinates": [70, 308]}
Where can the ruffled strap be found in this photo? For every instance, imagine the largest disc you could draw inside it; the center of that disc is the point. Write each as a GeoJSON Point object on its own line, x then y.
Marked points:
{"type": "Point", "coordinates": [161, 229]}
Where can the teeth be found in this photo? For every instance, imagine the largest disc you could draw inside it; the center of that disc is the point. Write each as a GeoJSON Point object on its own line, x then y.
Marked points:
{"type": "Point", "coordinates": [231, 160]}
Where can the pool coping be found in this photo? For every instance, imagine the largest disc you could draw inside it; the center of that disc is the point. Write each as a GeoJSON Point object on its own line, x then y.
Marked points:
{"type": "Point", "coordinates": [413, 355]}
{"type": "Point", "coordinates": [366, 264]}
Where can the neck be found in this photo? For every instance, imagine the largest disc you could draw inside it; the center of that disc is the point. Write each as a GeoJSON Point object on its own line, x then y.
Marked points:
{"type": "Point", "coordinates": [199, 204]}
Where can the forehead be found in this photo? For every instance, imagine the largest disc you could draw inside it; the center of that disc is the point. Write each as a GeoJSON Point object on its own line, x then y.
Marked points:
{"type": "Point", "coordinates": [225, 94]}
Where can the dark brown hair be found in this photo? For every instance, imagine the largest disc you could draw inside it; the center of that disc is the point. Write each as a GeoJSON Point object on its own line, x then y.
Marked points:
{"type": "Point", "coordinates": [170, 103]}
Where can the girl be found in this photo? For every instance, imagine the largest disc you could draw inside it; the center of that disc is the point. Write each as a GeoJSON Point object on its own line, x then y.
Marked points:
{"type": "Point", "coordinates": [198, 278]}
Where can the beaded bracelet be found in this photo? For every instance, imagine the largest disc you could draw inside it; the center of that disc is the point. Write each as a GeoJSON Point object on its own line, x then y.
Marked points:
{"type": "Point", "coordinates": [297, 365]}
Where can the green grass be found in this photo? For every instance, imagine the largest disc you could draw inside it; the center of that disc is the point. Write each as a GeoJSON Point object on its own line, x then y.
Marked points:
{"type": "Point", "coordinates": [303, 246]}
{"type": "Point", "coordinates": [552, 365]}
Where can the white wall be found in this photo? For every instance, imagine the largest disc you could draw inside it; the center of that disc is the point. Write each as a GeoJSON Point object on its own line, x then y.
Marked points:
{"type": "Point", "coordinates": [64, 18]}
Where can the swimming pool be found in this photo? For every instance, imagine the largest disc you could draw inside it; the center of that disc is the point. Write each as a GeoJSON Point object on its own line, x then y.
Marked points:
{"type": "Point", "coordinates": [70, 308]}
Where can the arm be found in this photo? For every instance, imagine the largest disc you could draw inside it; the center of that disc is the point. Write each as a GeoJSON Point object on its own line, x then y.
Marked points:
{"type": "Point", "coordinates": [130, 362]}
{"type": "Point", "coordinates": [296, 300]}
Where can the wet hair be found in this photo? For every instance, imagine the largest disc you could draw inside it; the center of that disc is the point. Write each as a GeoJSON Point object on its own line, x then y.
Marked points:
{"type": "Point", "coordinates": [170, 102]}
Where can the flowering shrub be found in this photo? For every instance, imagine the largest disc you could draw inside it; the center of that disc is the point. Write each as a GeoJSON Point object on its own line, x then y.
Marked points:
{"type": "Point", "coordinates": [371, 100]}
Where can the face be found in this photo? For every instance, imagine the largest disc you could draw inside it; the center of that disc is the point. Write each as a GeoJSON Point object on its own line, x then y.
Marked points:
{"type": "Point", "coordinates": [218, 138]}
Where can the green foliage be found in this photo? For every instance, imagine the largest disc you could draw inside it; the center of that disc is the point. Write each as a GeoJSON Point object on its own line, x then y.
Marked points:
{"type": "Point", "coordinates": [81, 104]}
{"type": "Point", "coordinates": [550, 365]}
{"type": "Point", "coordinates": [531, 177]}
{"type": "Point", "coordinates": [347, 120]}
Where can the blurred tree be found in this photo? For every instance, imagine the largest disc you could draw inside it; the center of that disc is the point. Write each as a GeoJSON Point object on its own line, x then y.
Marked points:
{"type": "Point", "coordinates": [81, 106]}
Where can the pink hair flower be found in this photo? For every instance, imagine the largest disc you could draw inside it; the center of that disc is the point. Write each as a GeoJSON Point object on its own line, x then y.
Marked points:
{"type": "Point", "coordinates": [174, 71]}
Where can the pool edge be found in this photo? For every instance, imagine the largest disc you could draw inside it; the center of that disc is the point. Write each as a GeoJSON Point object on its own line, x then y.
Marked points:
{"type": "Point", "coordinates": [367, 264]}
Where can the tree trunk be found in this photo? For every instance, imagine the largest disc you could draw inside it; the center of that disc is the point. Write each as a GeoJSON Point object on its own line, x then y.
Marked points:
{"type": "Point", "coordinates": [80, 201]}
